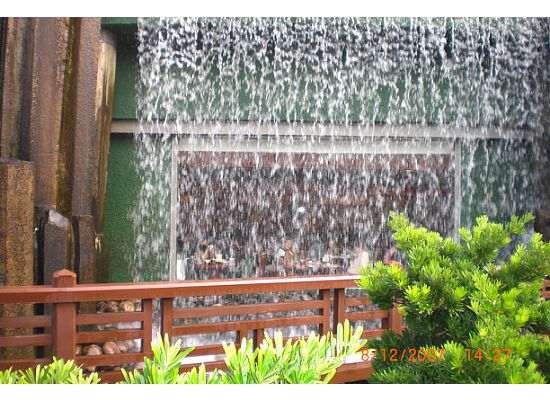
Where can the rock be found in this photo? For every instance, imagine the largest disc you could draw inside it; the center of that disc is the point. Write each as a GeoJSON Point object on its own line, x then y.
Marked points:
{"type": "Point", "coordinates": [93, 350]}
{"type": "Point", "coordinates": [112, 306]}
{"type": "Point", "coordinates": [110, 348]}
{"type": "Point", "coordinates": [101, 306]}
{"type": "Point", "coordinates": [126, 306]}
{"type": "Point", "coordinates": [122, 346]}
{"type": "Point", "coordinates": [130, 345]}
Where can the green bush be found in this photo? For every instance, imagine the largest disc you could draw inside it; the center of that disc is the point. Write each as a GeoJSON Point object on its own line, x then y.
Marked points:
{"type": "Point", "coordinates": [311, 360]}
{"type": "Point", "coordinates": [303, 361]}
{"type": "Point", "coordinates": [57, 372]}
{"type": "Point", "coordinates": [462, 297]}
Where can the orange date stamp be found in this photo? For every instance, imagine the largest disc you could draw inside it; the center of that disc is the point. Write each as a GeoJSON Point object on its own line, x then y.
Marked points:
{"type": "Point", "coordinates": [432, 354]}
{"type": "Point", "coordinates": [401, 355]}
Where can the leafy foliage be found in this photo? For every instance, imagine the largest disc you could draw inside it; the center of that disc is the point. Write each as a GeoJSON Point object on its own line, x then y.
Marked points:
{"type": "Point", "coordinates": [303, 361]}
{"type": "Point", "coordinates": [164, 368]}
{"type": "Point", "coordinates": [311, 360]}
{"type": "Point", "coordinates": [57, 372]}
{"type": "Point", "coordinates": [465, 296]}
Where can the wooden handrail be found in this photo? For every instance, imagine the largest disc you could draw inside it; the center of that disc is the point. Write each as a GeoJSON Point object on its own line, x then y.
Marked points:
{"type": "Point", "coordinates": [151, 290]}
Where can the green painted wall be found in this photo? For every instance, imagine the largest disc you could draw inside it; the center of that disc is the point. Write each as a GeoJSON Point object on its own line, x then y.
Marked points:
{"type": "Point", "coordinates": [122, 192]}
{"type": "Point", "coordinates": [123, 184]}
{"type": "Point", "coordinates": [127, 68]}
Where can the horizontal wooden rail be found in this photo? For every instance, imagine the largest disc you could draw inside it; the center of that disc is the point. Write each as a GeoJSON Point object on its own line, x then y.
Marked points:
{"type": "Point", "coordinates": [38, 321]}
{"type": "Point", "coordinates": [111, 359]}
{"type": "Point", "coordinates": [109, 318]}
{"type": "Point", "coordinates": [26, 340]}
{"type": "Point", "coordinates": [22, 364]}
{"type": "Point", "coordinates": [150, 290]}
{"type": "Point", "coordinates": [245, 325]}
{"type": "Point", "coordinates": [106, 336]}
{"type": "Point", "coordinates": [357, 301]}
{"type": "Point", "coordinates": [203, 312]}
{"type": "Point", "coordinates": [366, 315]}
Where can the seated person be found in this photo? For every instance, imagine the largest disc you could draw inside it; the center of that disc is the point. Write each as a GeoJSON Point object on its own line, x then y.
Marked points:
{"type": "Point", "coordinates": [209, 253]}
{"type": "Point", "coordinates": [285, 255]}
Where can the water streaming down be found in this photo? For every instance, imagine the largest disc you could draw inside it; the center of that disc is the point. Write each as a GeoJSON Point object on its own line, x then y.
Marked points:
{"type": "Point", "coordinates": [304, 133]}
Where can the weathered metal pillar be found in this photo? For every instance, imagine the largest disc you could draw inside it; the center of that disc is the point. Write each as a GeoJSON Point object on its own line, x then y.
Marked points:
{"type": "Point", "coordinates": [16, 240]}
{"type": "Point", "coordinates": [81, 122]}
{"type": "Point", "coordinates": [104, 112]}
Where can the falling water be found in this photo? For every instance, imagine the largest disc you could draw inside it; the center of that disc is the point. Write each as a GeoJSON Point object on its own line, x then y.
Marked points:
{"type": "Point", "coordinates": [313, 129]}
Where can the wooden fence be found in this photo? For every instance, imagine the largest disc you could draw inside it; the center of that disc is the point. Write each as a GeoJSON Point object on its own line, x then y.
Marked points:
{"type": "Point", "coordinates": [62, 330]}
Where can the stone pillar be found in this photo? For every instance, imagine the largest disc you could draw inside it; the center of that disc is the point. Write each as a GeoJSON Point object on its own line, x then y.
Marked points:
{"type": "Point", "coordinates": [55, 245]}
{"type": "Point", "coordinates": [41, 120]}
{"type": "Point", "coordinates": [16, 240]}
{"type": "Point", "coordinates": [13, 78]}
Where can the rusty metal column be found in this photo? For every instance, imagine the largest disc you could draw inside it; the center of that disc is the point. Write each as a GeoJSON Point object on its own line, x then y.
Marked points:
{"type": "Point", "coordinates": [104, 111]}
{"type": "Point", "coordinates": [85, 52]}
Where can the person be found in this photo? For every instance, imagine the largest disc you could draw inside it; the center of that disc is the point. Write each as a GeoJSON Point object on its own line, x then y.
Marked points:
{"type": "Point", "coordinates": [284, 258]}
{"type": "Point", "coordinates": [285, 255]}
{"type": "Point", "coordinates": [209, 253]}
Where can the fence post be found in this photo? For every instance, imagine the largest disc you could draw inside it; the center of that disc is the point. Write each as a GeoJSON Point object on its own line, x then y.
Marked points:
{"type": "Point", "coordinates": [64, 319]}
{"type": "Point", "coordinates": [324, 327]}
{"type": "Point", "coordinates": [167, 317]}
{"type": "Point", "coordinates": [339, 316]}
{"type": "Point", "coordinates": [147, 325]}
{"type": "Point", "coordinates": [395, 320]}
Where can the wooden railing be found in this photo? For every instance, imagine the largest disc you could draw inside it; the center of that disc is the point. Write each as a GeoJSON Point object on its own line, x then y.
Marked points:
{"type": "Point", "coordinates": [64, 328]}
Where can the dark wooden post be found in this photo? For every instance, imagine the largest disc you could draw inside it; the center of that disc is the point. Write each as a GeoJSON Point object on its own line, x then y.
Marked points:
{"type": "Point", "coordinates": [324, 295]}
{"type": "Point", "coordinates": [167, 317]}
{"type": "Point", "coordinates": [395, 320]}
{"type": "Point", "coordinates": [242, 333]}
{"type": "Point", "coordinates": [147, 325]}
{"type": "Point", "coordinates": [339, 316]}
{"type": "Point", "coordinates": [259, 336]}
{"type": "Point", "coordinates": [64, 319]}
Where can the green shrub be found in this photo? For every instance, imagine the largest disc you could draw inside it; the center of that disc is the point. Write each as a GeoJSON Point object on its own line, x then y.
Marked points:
{"type": "Point", "coordinates": [165, 365]}
{"type": "Point", "coordinates": [57, 372]}
{"type": "Point", "coordinates": [462, 297]}
{"type": "Point", "coordinates": [303, 361]}
{"type": "Point", "coordinates": [311, 360]}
